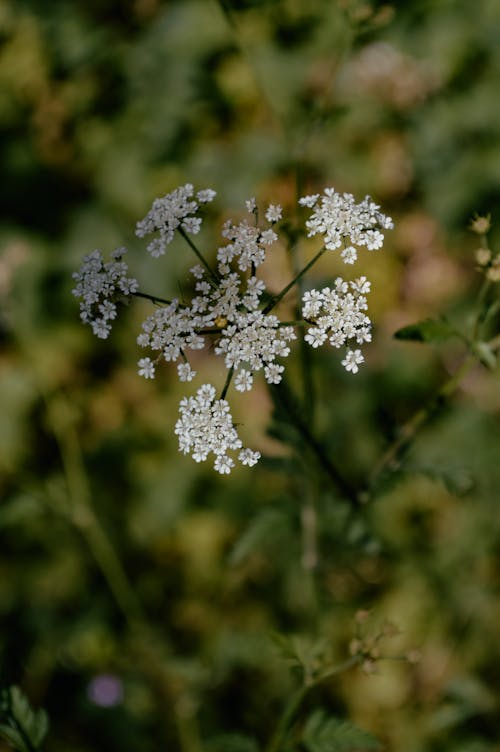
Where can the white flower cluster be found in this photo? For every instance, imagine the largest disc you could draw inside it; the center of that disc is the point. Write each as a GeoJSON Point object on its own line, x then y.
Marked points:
{"type": "Point", "coordinates": [171, 212]}
{"type": "Point", "coordinates": [206, 427]}
{"type": "Point", "coordinates": [171, 330]}
{"type": "Point", "coordinates": [227, 304]}
{"type": "Point", "coordinates": [99, 284]}
{"type": "Point", "coordinates": [338, 316]}
{"type": "Point", "coordinates": [250, 340]}
{"type": "Point", "coordinates": [342, 222]}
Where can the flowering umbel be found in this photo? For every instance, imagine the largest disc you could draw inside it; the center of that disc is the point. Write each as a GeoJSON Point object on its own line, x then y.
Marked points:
{"type": "Point", "coordinates": [231, 304]}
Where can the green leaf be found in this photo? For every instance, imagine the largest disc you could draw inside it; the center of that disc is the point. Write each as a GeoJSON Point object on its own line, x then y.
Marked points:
{"type": "Point", "coordinates": [328, 734]}
{"type": "Point", "coordinates": [287, 647]}
{"type": "Point", "coordinates": [23, 728]}
{"type": "Point", "coordinates": [12, 737]}
{"type": "Point", "coordinates": [457, 480]}
{"type": "Point", "coordinates": [429, 330]}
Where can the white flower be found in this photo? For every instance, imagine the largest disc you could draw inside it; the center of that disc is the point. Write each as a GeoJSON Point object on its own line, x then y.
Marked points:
{"type": "Point", "coordinates": [206, 195]}
{"type": "Point", "coordinates": [101, 328]}
{"type": "Point", "coordinates": [197, 271]}
{"type": "Point", "coordinates": [352, 360]}
{"type": "Point", "coordinates": [251, 205]}
{"type": "Point", "coordinates": [273, 213]}
{"type": "Point", "coordinates": [185, 372]}
{"type": "Point", "coordinates": [243, 381]}
{"type": "Point", "coordinates": [146, 368]}
{"type": "Point", "coordinates": [268, 237]}
{"type": "Point", "coordinates": [223, 464]}
{"type": "Point", "coordinates": [99, 285]}
{"type": "Point", "coordinates": [349, 255]}
{"type": "Point", "coordinates": [361, 285]}
{"type": "Point", "coordinates": [309, 201]}
{"type": "Point", "coordinates": [273, 373]}
{"type": "Point", "coordinates": [315, 337]}
{"type": "Point", "coordinates": [248, 457]}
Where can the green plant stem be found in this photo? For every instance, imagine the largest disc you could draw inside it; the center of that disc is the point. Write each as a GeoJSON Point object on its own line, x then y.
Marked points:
{"type": "Point", "coordinates": [277, 298]}
{"type": "Point", "coordinates": [286, 719]}
{"type": "Point", "coordinates": [316, 448]}
{"type": "Point", "coordinates": [153, 298]}
{"type": "Point", "coordinates": [199, 255]}
{"type": "Point", "coordinates": [482, 309]}
{"type": "Point", "coordinates": [229, 377]}
{"type": "Point", "coordinates": [391, 458]}
{"type": "Point", "coordinates": [85, 519]}
{"type": "Point", "coordinates": [296, 700]}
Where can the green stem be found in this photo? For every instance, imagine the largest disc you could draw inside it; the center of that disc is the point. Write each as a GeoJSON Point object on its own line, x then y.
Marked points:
{"type": "Point", "coordinates": [298, 698]}
{"type": "Point", "coordinates": [85, 519]}
{"type": "Point", "coordinates": [199, 255]}
{"type": "Point", "coordinates": [276, 298]}
{"type": "Point", "coordinates": [153, 298]}
{"type": "Point", "coordinates": [482, 309]}
{"type": "Point", "coordinates": [286, 719]}
{"type": "Point", "coordinates": [229, 377]}
{"type": "Point", "coordinates": [314, 445]}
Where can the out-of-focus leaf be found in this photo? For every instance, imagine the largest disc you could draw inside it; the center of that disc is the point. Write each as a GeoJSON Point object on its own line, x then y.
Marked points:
{"type": "Point", "coordinates": [429, 330]}
{"type": "Point", "coordinates": [328, 734]}
{"type": "Point", "coordinates": [457, 480]}
{"type": "Point", "coordinates": [21, 726]}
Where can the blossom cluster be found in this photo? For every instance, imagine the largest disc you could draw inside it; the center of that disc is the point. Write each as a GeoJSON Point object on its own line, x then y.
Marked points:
{"type": "Point", "coordinates": [341, 221]}
{"type": "Point", "coordinates": [338, 316]}
{"type": "Point", "coordinates": [226, 302]}
{"type": "Point", "coordinates": [171, 212]}
{"type": "Point", "coordinates": [230, 302]}
{"type": "Point", "coordinates": [206, 427]}
{"type": "Point", "coordinates": [99, 285]}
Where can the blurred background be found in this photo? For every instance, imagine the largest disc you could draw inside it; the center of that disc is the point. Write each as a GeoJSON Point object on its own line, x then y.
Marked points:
{"type": "Point", "coordinates": [138, 590]}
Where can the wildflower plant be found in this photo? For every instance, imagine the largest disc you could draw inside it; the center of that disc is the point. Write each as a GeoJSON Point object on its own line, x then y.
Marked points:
{"type": "Point", "coordinates": [232, 308]}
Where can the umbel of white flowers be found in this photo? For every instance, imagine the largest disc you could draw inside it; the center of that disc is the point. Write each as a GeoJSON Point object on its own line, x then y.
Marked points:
{"type": "Point", "coordinates": [229, 303]}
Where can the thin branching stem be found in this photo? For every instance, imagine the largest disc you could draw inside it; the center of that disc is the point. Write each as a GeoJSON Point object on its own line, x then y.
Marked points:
{"type": "Point", "coordinates": [315, 446]}
{"type": "Point", "coordinates": [154, 298]}
{"type": "Point", "coordinates": [296, 700]}
{"type": "Point", "coordinates": [277, 298]}
{"type": "Point", "coordinates": [229, 378]}
{"type": "Point", "coordinates": [213, 276]}
{"type": "Point", "coordinates": [82, 515]}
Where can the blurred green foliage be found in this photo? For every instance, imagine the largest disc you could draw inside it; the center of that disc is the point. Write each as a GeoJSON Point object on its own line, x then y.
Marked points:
{"type": "Point", "coordinates": [105, 105]}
